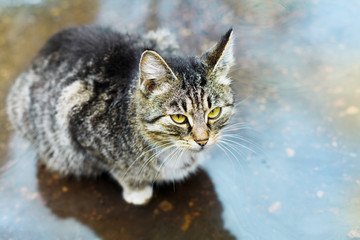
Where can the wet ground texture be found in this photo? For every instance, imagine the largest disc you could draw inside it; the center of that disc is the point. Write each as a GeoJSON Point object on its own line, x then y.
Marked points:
{"type": "Point", "coordinates": [291, 174]}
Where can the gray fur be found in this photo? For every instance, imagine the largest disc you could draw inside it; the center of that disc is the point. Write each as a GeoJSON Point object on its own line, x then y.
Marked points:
{"type": "Point", "coordinates": [87, 111]}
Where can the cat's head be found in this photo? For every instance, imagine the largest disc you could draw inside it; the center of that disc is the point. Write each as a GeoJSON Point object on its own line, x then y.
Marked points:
{"type": "Point", "coordinates": [186, 101]}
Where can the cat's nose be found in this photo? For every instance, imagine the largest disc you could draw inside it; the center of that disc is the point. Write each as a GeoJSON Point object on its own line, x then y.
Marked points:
{"type": "Point", "coordinates": [202, 142]}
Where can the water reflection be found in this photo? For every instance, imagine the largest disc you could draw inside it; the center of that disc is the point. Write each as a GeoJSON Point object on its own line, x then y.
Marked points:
{"type": "Point", "coordinates": [298, 71]}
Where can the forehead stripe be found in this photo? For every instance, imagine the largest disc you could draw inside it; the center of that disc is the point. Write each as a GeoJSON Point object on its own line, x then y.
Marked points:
{"type": "Point", "coordinates": [173, 104]}
{"type": "Point", "coordinates": [183, 104]}
{"type": "Point", "coordinates": [190, 97]}
{"type": "Point", "coordinates": [209, 102]}
{"type": "Point", "coordinates": [202, 92]}
{"type": "Point", "coordinates": [196, 99]}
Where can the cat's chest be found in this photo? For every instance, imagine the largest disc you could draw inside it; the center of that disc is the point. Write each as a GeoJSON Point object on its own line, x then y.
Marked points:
{"type": "Point", "coordinates": [177, 165]}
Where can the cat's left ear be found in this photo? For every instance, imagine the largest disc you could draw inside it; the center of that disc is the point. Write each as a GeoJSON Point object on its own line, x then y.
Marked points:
{"type": "Point", "coordinates": [220, 58]}
{"type": "Point", "coordinates": [155, 74]}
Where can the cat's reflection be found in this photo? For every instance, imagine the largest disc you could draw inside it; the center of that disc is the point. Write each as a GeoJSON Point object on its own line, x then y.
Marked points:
{"type": "Point", "coordinates": [189, 210]}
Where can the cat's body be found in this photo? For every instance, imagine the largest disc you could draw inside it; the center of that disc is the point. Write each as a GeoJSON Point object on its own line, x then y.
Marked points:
{"type": "Point", "coordinates": [94, 100]}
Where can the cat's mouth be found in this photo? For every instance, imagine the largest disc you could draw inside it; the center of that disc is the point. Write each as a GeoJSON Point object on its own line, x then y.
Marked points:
{"type": "Point", "coordinates": [195, 147]}
{"type": "Point", "coordinates": [198, 149]}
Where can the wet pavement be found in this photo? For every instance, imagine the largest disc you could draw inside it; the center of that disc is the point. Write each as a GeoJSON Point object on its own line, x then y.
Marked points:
{"type": "Point", "coordinates": [295, 176]}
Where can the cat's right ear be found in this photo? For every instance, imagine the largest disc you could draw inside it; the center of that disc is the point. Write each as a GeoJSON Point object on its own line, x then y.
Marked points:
{"type": "Point", "coordinates": [155, 73]}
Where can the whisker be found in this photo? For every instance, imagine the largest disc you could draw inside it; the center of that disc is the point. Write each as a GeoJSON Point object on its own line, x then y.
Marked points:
{"type": "Point", "coordinates": [225, 130]}
{"type": "Point", "coordinates": [170, 156]}
{"type": "Point", "coordinates": [221, 146]}
{"type": "Point", "coordinates": [142, 154]}
{"type": "Point", "coordinates": [176, 162]}
{"type": "Point", "coordinates": [180, 155]}
{"type": "Point", "coordinates": [242, 101]}
{"type": "Point", "coordinates": [242, 145]}
{"type": "Point", "coordinates": [241, 167]}
{"type": "Point", "coordinates": [238, 126]}
{"type": "Point", "coordinates": [240, 123]}
{"type": "Point", "coordinates": [235, 148]}
{"type": "Point", "coordinates": [153, 156]}
{"type": "Point", "coordinates": [231, 152]}
{"type": "Point", "coordinates": [233, 125]}
{"type": "Point", "coordinates": [244, 139]}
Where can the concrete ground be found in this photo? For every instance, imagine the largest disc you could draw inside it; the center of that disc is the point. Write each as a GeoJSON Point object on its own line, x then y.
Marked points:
{"type": "Point", "coordinates": [292, 175]}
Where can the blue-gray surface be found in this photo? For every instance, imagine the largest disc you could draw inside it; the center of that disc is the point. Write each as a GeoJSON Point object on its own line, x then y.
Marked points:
{"type": "Point", "coordinates": [298, 84]}
{"type": "Point", "coordinates": [308, 186]}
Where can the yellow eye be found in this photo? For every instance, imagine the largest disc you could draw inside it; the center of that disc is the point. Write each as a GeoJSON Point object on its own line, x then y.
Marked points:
{"type": "Point", "coordinates": [178, 118]}
{"type": "Point", "coordinates": [215, 113]}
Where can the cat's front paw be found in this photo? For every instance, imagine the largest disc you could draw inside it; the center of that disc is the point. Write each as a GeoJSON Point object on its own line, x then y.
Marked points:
{"type": "Point", "coordinates": [138, 197]}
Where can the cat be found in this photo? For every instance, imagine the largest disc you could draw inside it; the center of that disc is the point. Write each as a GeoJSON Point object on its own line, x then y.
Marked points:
{"type": "Point", "coordinates": [94, 100]}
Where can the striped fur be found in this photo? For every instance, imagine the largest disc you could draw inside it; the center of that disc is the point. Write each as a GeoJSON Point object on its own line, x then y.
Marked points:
{"type": "Point", "coordinates": [95, 100]}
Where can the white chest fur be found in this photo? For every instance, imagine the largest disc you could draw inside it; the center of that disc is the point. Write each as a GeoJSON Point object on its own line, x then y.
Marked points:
{"type": "Point", "coordinates": [177, 166]}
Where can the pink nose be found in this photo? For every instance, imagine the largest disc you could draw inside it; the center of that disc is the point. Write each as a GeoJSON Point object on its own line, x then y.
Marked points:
{"type": "Point", "coordinates": [202, 142]}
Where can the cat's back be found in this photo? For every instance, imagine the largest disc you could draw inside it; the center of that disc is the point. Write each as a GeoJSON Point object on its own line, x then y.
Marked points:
{"type": "Point", "coordinates": [96, 50]}
{"type": "Point", "coordinates": [68, 71]}
{"type": "Point", "coordinates": [76, 68]}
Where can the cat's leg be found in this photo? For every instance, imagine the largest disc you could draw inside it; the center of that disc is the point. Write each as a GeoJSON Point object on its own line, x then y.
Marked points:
{"type": "Point", "coordinates": [139, 196]}
{"type": "Point", "coordinates": [135, 193]}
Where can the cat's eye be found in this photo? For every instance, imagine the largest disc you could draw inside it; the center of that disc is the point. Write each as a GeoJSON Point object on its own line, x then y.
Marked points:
{"type": "Point", "coordinates": [215, 113]}
{"type": "Point", "coordinates": [178, 118]}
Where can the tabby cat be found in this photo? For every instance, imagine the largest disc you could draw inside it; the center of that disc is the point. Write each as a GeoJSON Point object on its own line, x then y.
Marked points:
{"type": "Point", "coordinates": [96, 100]}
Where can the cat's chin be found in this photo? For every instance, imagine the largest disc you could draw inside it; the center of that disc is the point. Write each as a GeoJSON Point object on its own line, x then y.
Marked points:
{"type": "Point", "coordinates": [200, 149]}
{"type": "Point", "coordinates": [196, 150]}
{"type": "Point", "coordinates": [192, 149]}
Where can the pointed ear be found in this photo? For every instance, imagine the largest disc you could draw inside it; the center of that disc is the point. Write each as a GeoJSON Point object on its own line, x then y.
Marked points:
{"type": "Point", "coordinates": [155, 73]}
{"type": "Point", "coordinates": [220, 58]}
